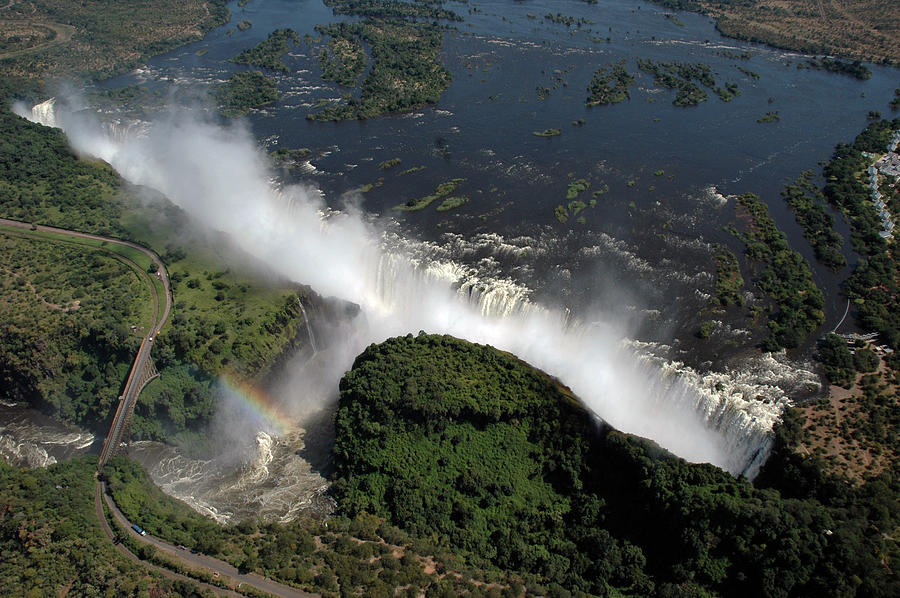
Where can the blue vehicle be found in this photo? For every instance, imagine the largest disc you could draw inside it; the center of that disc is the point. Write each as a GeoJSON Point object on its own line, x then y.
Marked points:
{"type": "Point", "coordinates": [138, 529]}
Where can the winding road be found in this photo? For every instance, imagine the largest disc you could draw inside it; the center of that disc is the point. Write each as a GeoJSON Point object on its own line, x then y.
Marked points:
{"type": "Point", "coordinates": [104, 524]}
{"type": "Point", "coordinates": [137, 377]}
{"type": "Point", "coordinates": [160, 319]}
{"type": "Point", "coordinates": [226, 572]}
{"type": "Point", "coordinates": [62, 35]}
{"type": "Point", "coordinates": [231, 576]}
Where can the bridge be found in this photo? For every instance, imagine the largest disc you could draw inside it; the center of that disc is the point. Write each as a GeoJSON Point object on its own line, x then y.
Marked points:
{"type": "Point", "coordinates": [142, 370]}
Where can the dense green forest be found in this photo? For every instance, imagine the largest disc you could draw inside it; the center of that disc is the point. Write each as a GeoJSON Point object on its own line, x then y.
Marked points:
{"type": "Point", "coordinates": [470, 446]}
{"type": "Point", "coordinates": [344, 60]}
{"type": "Point", "coordinates": [65, 337]}
{"type": "Point", "coordinates": [244, 91]}
{"type": "Point", "coordinates": [51, 543]}
{"type": "Point", "coordinates": [783, 274]}
{"type": "Point", "coordinates": [267, 53]}
{"type": "Point", "coordinates": [71, 363]}
{"type": "Point", "coordinates": [729, 281]}
{"type": "Point", "coordinates": [609, 85]}
{"type": "Point", "coordinates": [363, 556]}
{"type": "Point", "coordinates": [808, 204]}
{"type": "Point", "coordinates": [42, 181]}
{"type": "Point", "coordinates": [681, 76]}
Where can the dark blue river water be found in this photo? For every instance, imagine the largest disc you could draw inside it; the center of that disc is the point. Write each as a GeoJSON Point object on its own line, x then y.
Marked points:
{"type": "Point", "coordinates": [660, 162]}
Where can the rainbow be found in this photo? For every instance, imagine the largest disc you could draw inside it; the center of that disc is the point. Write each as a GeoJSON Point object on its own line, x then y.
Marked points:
{"type": "Point", "coordinates": [256, 403]}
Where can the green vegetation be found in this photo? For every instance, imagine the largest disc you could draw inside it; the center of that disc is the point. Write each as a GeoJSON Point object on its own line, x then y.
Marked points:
{"type": "Point", "coordinates": [245, 91]}
{"type": "Point", "coordinates": [873, 285]}
{"type": "Point", "coordinates": [568, 21]}
{"type": "Point", "coordinates": [576, 187]}
{"type": "Point", "coordinates": [855, 434]}
{"type": "Point", "coordinates": [575, 206]}
{"type": "Point", "coordinates": [464, 443]}
{"type": "Point", "coordinates": [405, 73]}
{"type": "Point", "coordinates": [443, 190]}
{"type": "Point", "coordinates": [388, 164]}
{"type": "Point", "coordinates": [728, 93]}
{"type": "Point", "coordinates": [862, 30]}
{"type": "Point", "coordinates": [411, 170]}
{"type": "Point", "coordinates": [808, 204]}
{"type": "Point", "coordinates": [854, 69]}
{"type": "Point", "coordinates": [610, 85]}
{"type": "Point", "coordinates": [769, 117]}
{"type": "Point", "coordinates": [748, 72]}
{"type": "Point", "coordinates": [837, 359]}
{"type": "Point", "coordinates": [344, 60]}
{"type": "Point", "coordinates": [364, 556]}
{"type": "Point", "coordinates": [729, 281]}
{"type": "Point", "coordinates": [97, 39]}
{"type": "Point", "coordinates": [267, 53]}
{"type": "Point", "coordinates": [681, 76]}
{"type": "Point", "coordinates": [392, 10]}
{"type": "Point", "coordinates": [71, 360]}
{"type": "Point", "coordinates": [66, 314]}
{"type": "Point", "coordinates": [562, 214]}
{"type": "Point", "coordinates": [452, 203]}
{"type": "Point", "coordinates": [547, 133]}
{"type": "Point", "coordinates": [244, 25]}
{"type": "Point", "coordinates": [785, 277]}
{"type": "Point", "coordinates": [52, 543]}
{"type": "Point", "coordinates": [37, 164]}
{"type": "Point", "coordinates": [706, 329]}
{"type": "Point", "coordinates": [290, 157]}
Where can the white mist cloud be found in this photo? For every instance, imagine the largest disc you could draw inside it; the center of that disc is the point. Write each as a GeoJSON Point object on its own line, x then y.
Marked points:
{"type": "Point", "coordinates": [218, 175]}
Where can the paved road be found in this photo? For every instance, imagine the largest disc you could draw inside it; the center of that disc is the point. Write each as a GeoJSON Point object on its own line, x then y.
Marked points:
{"type": "Point", "coordinates": [135, 378]}
{"type": "Point", "coordinates": [201, 561]}
{"type": "Point", "coordinates": [127, 402]}
{"type": "Point", "coordinates": [98, 506]}
{"type": "Point", "coordinates": [195, 561]}
{"type": "Point", "coordinates": [161, 268]}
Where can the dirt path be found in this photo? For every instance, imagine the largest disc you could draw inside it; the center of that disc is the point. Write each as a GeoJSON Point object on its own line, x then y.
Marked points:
{"type": "Point", "coordinates": [63, 34]}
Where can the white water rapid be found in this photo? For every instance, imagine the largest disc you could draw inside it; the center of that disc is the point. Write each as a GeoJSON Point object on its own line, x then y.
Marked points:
{"type": "Point", "coordinates": [218, 176]}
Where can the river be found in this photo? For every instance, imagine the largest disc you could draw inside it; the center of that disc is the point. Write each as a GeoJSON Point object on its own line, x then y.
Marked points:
{"type": "Point", "coordinates": [643, 255]}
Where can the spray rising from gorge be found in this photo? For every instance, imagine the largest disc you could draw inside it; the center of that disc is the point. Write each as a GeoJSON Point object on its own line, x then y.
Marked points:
{"type": "Point", "coordinates": [218, 175]}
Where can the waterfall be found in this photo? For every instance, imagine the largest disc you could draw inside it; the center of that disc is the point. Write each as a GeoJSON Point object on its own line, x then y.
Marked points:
{"type": "Point", "coordinates": [309, 332]}
{"type": "Point", "coordinates": [43, 113]}
{"type": "Point", "coordinates": [735, 410]}
{"type": "Point", "coordinates": [401, 286]}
